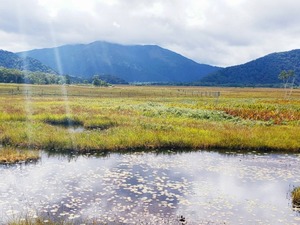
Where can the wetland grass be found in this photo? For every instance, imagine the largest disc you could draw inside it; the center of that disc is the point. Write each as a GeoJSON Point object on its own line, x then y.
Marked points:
{"type": "Point", "coordinates": [39, 221]}
{"type": "Point", "coordinates": [10, 155]}
{"type": "Point", "coordinates": [151, 118]}
{"type": "Point", "coordinates": [296, 197]}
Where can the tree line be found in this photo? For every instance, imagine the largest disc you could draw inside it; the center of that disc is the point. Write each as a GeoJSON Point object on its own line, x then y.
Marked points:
{"type": "Point", "coordinates": [18, 76]}
{"type": "Point", "coordinates": [29, 77]}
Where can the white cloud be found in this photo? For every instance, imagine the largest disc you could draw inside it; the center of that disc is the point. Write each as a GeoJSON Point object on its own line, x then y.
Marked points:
{"type": "Point", "coordinates": [219, 32]}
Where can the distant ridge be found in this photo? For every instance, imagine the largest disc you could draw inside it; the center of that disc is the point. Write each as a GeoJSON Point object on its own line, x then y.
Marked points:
{"type": "Point", "coordinates": [13, 61]}
{"type": "Point", "coordinates": [140, 63]}
{"type": "Point", "coordinates": [263, 71]}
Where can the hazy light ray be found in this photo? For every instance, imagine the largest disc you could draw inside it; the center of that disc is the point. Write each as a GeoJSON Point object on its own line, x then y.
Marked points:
{"type": "Point", "coordinates": [27, 88]}
{"type": "Point", "coordinates": [105, 56]}
{"type": "Point", "coordinates": [63, 87]}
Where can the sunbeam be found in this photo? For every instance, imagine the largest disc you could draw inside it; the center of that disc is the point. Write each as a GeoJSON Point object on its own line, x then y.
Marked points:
{"type": "Point", "coordinates": [27, 87]}
{"type": "Point", "coordinates": [64, 91]}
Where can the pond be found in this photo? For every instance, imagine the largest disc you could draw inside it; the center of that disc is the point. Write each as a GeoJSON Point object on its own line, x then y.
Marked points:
{"type": "Point", "coordinates": [203, 187]}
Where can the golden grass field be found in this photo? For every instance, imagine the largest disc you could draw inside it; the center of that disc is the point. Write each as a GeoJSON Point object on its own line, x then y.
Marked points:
{"type": "Point", "coordinates": [121, 118]}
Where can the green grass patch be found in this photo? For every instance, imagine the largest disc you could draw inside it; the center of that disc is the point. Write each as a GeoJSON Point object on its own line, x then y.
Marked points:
{"type": "Point", "coordinates": [101, 123]}
{"type": "Point", "coordinates": [151, 109]}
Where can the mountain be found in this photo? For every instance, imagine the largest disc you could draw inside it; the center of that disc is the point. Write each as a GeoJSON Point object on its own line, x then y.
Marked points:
{"type": "Point", "coordinates": [142, 63]}
{"type": "Point", "coordinates": [13, 61]}
{"type": "Point", "coordinates": [263, 71]}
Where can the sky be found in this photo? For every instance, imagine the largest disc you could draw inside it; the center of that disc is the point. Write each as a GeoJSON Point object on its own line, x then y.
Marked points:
{"type": "Point", "coordinates": [215, 32]}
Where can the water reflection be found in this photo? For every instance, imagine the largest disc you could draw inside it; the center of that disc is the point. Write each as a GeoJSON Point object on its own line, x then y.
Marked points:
{"type": "Point", "coordinates": [76, 129]}
{"type": "Point", "coordinates": [153, 188]}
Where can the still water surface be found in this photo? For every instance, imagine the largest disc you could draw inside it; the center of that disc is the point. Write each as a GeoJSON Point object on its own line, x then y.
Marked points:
{"type": "Point", "coordinates": [204, 187]}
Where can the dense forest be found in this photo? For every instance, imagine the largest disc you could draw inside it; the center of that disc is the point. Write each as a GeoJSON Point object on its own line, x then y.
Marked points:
{"type": "Point", "coordinates": [18, 76]}
{"type": "Point", "coordinates": [110, 79]}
